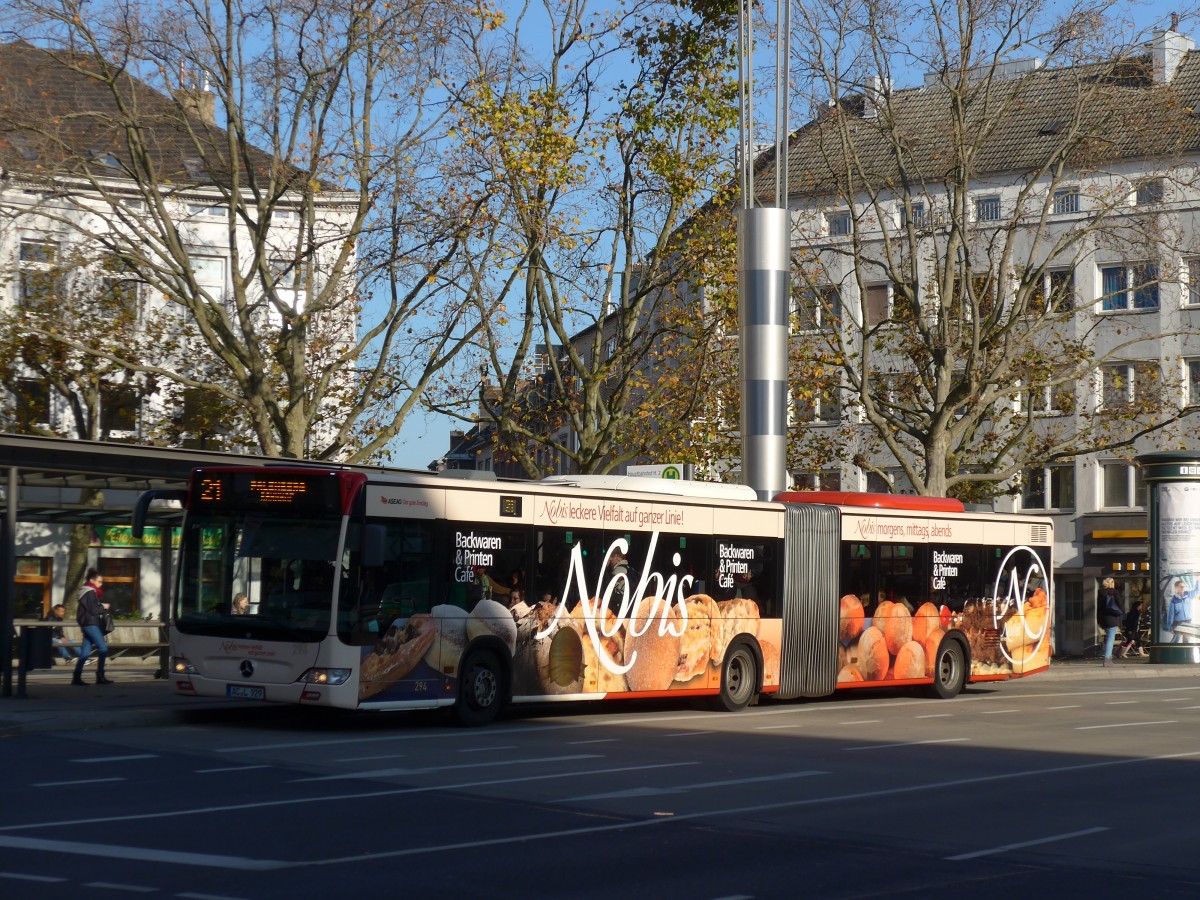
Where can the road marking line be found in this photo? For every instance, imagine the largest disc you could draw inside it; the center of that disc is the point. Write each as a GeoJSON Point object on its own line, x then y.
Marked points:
{"type": "Point", "coordinates": [907, 744]}
{"type": "Point", "coordinates": [369, 758]}
{"type": "Point", "coordinates": [596, 741]}
{"type": "Point", "coordinates": [18, 876]}
{"type": "Point", "coordinates": [1189, 707]}
{"type": "Point", "coordinates": [229, 769]}
{"type": "Point", "coordinates": [426, 770]}
{"type": "Point", "coordinates": [997, 712]}
{"type": "Point", "coordinates": [757, 808]}
{"type": "Point", "coordinates": [341, 798]}
{"type": "Point", "coordinates": [1126, 725]}
{"type": "Point", "coordinates": [97, 759]}
{"type": "Point", "coordinates": [840, 706]}
{"type": "Point", "coordinates": [144, 854]}
{"type": "Point", "coordinates": [684, 788]}
{"type": "Point", "coordinates": [487, 749]}
{"type": "Point", "coordinates": [71, 847]}
{"type": "Point", "coordinates": [136, 888]}
{"type": "Point", "coordinates": [861, 722]}
{"type": "Point", "coordinates": [1021, 844]}
{"type": "Point", "coordinates": [936, 716]}
{"type": "Point", "coordinates": [1075, 706]}
{"type": "Point", "coordinates": [1120, 702]}
{"type": "Point", "coordinates": [687, 733]}
{"type": "Point", "coordinates": [776, 727]}
{"type": "Point", "coordinates": [80, 781]}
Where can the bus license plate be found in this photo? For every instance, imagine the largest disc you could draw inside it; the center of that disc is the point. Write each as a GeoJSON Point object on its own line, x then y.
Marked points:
{"type": "Point", "coordinates": [245, 692]}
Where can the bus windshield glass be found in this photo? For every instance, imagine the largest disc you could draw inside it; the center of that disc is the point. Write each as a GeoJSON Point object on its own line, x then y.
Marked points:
{"type": "Point", "coordinates": [252, 575]}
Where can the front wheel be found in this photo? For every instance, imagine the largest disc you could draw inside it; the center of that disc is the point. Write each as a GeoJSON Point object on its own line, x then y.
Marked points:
{"type": "Point", "coordinates": [739, 679]}
{"type": "Point", "coordinates": [949, 670]}
{"type": "Point", "coordinates": [480, 690]}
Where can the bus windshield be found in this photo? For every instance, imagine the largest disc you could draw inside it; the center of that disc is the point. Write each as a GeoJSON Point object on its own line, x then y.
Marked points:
{"type": "Point", "coordinates": [257, 576]}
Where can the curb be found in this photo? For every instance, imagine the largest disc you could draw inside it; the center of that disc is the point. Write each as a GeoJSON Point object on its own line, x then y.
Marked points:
{"type": "Point", "coordinates": [142, 701]}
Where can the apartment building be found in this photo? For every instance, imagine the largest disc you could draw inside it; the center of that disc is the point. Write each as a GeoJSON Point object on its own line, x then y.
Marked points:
{"type": "Point", "coordinates": [1023, 240]}
{"type": "Point", "coordinates": [104, 233]}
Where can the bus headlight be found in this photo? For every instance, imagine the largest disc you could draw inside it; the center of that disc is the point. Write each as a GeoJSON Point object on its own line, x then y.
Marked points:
{"type": "Point", "coordinates": [325, 676]}
{"type": "Point", "coordinates": [181, 666]}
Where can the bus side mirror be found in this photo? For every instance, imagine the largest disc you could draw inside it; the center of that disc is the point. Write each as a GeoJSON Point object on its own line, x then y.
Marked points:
{"type": "Point", "coordinates": [142, 507]}
{"type": "Point", "coordinates": [373, 537]}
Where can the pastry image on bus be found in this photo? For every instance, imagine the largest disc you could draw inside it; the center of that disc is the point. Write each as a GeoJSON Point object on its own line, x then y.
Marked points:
{"type": "Point", "coordinates": [374, 589]}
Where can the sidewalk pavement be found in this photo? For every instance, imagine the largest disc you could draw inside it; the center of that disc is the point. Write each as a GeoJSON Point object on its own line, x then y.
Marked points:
{"type": "Point", "coordinates": [137, 698]}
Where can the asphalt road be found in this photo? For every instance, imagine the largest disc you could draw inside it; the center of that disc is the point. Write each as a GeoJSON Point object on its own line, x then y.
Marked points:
{"type": "Point", "coordinates": [1027, 789]}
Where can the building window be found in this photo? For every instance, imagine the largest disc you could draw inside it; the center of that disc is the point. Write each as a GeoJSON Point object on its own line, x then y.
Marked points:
{"type": "Point", "coordinates": [1192, 296]}
{"type": "Point", "coordinates": [289, 280]}
{"type": "Point", "coordinates": [119, 408]}
{"type": "Point", "coordinates": [987, 209]}
{"type": "Point", "coordinates": [978, 293]}
{"type": "Point", "coordinates": [1057, 285]}
{"type": "Point", "coordinates": [1124, 486]}
{"type": "Point", "coordinates": [1129, 287]}
{"type": "Point", "coordinates": [838, 224]}
{"type": "Point", "coordinates": [206, 211]}
{"type": "Point", "coordinates": [30, 404]}
{"type": "Point", "coordinates": [1049, 487]}
{"type": "Point", "coordinates": [120, 288]}
{"type": "Point", "coordinates": [890, 481]}
{"type": "Point", "coordinates": [37, 280]}
{"type": "Point", "coordinates": [915, 218]}
{"type": "Point", "coordinates": [31, 587]}
{"type": "Point", "coordinates": [1049, 400]}
{"type": "Point", "coordinates": [1066, 201]}
{"type": "Point", "coordinates": [817, 308]}
{"type": "Point", "coordinates": [121, 585]}
{"type": "Point", "coordinates": [1068, 594]}
{"type": "Point", "coordinates": [1124, 384]}
{"type": "Point", "coordinates": [1192, 378]}
{"type": "Point", "coordinates": [825, 480]}
{"type": "Point", "coordinates": [819, 405]}
{"type": "Point", "coordinates": [1149, 191]}
{"type": "Point", "coordinates": [209, 272]}
{"type": "Point", "coordinates": [877, 304]}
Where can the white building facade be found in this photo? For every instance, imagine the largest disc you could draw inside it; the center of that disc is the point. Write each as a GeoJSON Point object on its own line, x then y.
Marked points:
{"type": "Point", "coordinates": [1112, 233]}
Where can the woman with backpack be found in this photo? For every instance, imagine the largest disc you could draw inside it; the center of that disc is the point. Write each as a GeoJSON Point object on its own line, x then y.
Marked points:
{"type": "Point", "coordinates": [1109, 614]}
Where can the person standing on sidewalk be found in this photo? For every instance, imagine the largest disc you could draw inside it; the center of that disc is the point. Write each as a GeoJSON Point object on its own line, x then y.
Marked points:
{"type": "Point", "coordinates": [90, 614]}
{"type": "Point", "coordinates": [1109, 614]}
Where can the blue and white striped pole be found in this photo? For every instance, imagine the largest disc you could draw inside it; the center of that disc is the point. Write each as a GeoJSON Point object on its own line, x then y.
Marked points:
{"type": "Point", "coordinates": [763, 287]}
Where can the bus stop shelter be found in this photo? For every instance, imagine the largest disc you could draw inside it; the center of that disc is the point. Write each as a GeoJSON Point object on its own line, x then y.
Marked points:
{"type": "Point", "coordinates": [41, 479]}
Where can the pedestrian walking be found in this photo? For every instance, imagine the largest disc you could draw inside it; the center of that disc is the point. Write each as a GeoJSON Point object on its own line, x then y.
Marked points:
{"type": "Point", "coordinates": [1109, 613]}
{"type": "Point", "coordinates": [1132, 645]}
{"type": "Point", "coordinates": [91, 614]}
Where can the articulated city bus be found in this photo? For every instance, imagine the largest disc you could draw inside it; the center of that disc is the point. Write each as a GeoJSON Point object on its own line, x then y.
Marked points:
{"type": "Point", "coordinates": [361, 588]}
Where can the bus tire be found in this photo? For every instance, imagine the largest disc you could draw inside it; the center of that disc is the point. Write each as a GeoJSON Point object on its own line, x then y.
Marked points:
{"type": "Point", "coordinates": [480, 690]}
{"type": "Point", "coordinates": [739, 678]}
{"type": "Point", "coordinates": [949, 670]}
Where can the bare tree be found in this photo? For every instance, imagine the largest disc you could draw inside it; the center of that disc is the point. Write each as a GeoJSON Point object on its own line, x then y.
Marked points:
{"type": "Point", "coordinates": [599, 144]}
{"type": "Point", "coordinates": [952, 235]}
{"type": "Point", "coordinates": [309, 138]}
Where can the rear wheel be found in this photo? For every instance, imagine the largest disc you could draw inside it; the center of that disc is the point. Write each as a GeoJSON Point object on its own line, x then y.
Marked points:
{"type": "Point", "coordinates": [739, 679]}
{"type": "Point", "coordinates": [480, 690]}
{"type": "Point", "coordinates": [949, 670]}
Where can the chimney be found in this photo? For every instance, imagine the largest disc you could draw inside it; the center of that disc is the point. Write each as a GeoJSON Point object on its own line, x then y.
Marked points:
{"type": "Point", "coordinates": [875, 88]}
{"type": "Point", "coordinates": [1168, 49]}
{"type": "Point", "coordinates": [199, 103]}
